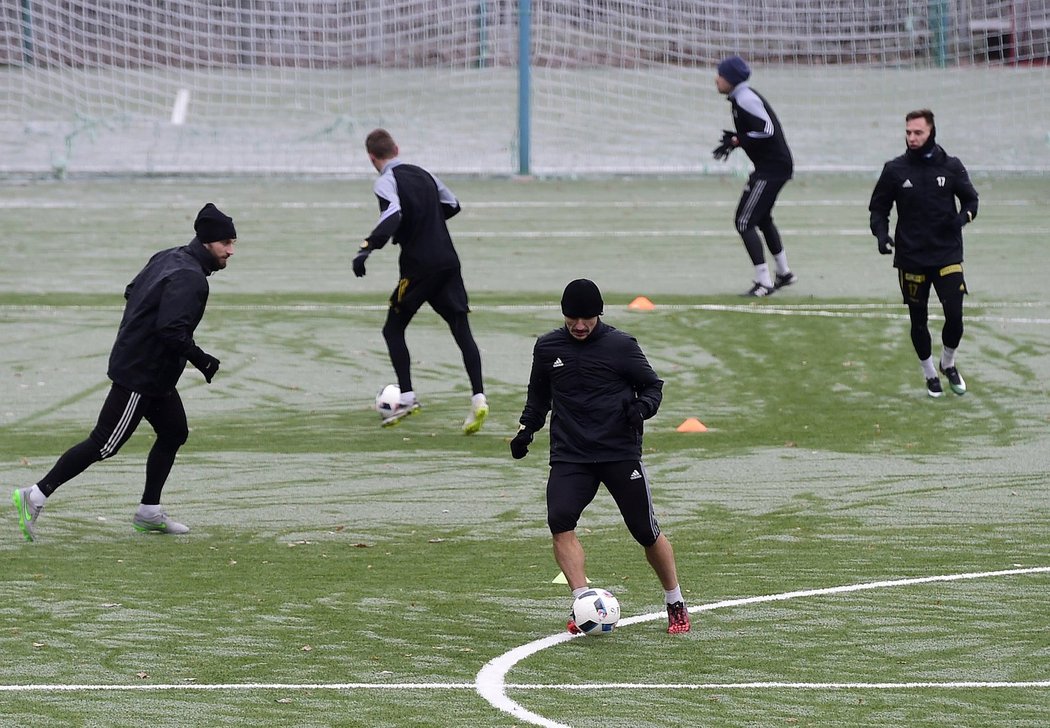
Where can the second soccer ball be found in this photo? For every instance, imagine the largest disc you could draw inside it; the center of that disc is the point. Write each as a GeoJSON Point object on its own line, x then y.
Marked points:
{"type": "Point", "coordinates": [387, 400]}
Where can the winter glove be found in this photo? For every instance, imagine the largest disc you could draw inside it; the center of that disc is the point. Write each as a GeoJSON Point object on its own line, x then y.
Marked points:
{"type": "Point", "coordinates": [635, 411]}
{"type": "Point", "coordinates": [359, 262]}
{"type": "Point", "coordinates": [885, 245]}
{"type": "Point", "coordinates": [519, 446]}
{"type": "Point", "coordinates": [204, 361]}
{"type": "Point", "coordinates": [723, 150]}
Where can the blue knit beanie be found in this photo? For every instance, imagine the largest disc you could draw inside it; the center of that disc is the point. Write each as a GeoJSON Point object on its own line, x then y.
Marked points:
{"type": "Point", "coordinates": [734, 69]}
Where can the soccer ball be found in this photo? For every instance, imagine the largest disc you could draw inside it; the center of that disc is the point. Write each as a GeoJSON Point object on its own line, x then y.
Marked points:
{"type": "Point", "coordinates": [596, 611]}
{"type": "Point", "coordinates": [388, 400]}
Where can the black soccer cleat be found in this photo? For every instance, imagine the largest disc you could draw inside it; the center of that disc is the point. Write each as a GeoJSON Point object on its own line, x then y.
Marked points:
{"type": "Point", "coordinates": [933, 387]}
{"type": "Point", "coordinates": [757, 290]}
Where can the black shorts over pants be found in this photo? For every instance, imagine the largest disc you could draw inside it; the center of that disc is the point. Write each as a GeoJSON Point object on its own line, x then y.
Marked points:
{"type": "Point", "coordinates": [572, 486]}
{"type": "Point", "coordinates": [947, 280]}
{"type": "Point", "coordinates": [443, 290]}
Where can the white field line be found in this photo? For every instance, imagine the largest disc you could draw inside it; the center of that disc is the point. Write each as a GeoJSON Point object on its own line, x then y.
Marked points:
{"type": "Point", "coordinates": [760, 685]}
{"type": "Point", "coordinates": [491, 685]}
{"type": "Point", "coordinates": [856, 232]}
{"type": "Point", "coordinates": [889, 311]}
{"type": "Point", "coordinates": [290, 687]}
{"type": "Point", "coordinates": [33, 204]}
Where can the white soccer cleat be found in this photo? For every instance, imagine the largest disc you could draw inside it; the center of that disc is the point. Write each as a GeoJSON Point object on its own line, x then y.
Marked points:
{"type": "Point", "coordinates": [401, 412]}
{"type": "Point", "coordinates": [159, 523]}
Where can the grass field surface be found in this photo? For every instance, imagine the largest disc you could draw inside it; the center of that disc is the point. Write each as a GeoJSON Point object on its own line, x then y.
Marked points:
{"type": "Point", "coordinates": [340, 574]}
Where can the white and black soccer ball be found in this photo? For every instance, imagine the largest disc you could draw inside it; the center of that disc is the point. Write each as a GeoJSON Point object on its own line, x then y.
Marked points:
{"type": "Point", "coordinates": [388, 400]}
{"type": "Point", "coordinates": [596, 611]}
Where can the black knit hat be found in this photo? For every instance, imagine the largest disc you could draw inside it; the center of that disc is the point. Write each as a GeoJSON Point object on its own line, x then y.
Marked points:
{"type": "Point", "coordinates": [212, 225]}
{"type": "Point", "coordinates": [582, 299]}
{"type": "Point", "coordinates": [734, 69]}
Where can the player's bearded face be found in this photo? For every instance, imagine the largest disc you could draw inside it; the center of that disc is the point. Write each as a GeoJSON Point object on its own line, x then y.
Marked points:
{"type": "Point", "coordinates": [221, 250]}
{"type": "Point", "coordinates": [917, 131]}
{"type": "Point", "coordinates": [581, 328]}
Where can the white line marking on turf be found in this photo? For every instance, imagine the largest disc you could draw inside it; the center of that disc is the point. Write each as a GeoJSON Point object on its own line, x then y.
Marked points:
{"type": "Point", "coordinates": [489, 682]}
{"type": "Point", "coordinates": [992, 685]}
{"type": "Point", "coordinates": [235, 686]}
{"type": "Point", "coordinates": [34, 204]}
{"type": "Point", "coordinates": [490, 679]}
{"type": "Point", "coordinates": [830, 310]}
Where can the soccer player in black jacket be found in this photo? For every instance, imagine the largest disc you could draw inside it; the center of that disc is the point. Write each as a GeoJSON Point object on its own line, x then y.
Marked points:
{"type": "Point", "coordinates": [165, 302]}
{"type": "Point", "coordinates": [599, 388]}
{"type": "Point", "coordinates": [759, 133]}
{"type": "Point", "coordinates": [413, 208]}
{"type": "Point", "coordinates": [924, 183]}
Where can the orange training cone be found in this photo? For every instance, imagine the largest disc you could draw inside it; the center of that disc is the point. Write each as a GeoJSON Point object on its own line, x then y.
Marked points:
{"type": "Point", "coordinates": [692, 425]}
{"type": "Point", "coordinates": [641, 304]}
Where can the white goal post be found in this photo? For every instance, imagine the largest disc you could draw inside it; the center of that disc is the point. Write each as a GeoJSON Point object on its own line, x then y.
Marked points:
{"type": "Point", "coordinates": [607, 87]}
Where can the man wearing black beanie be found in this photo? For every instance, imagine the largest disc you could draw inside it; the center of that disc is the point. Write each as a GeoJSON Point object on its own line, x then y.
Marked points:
{"type": "Point", "coordinates": [165, 302]}
{"type": "Point", "coordinates": [759, 133]}
{"type": "Point", "coordinates": [599, 388]}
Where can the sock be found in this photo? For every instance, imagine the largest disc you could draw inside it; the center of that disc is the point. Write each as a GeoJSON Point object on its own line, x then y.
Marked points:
{"type": "Point", "coordinates": [762, 275]}
{"type": "Point", "coordinates": [578, 592]}
{"type": "Point", "coordinates": [947, 358]}
{"type": "Point", "coordinates": [675, 595]}
{"type": "Point", "coordinates": [478, 399]}
{"type": "Point", "coordinates": [927, 368]}
{"type": "Point", "coordinates": [781, 260]}
{"type": "Point", "coordinates": [407, 397]}
{"type": "Point", "coordinates": [149, 511]}
{"type": "Point", "coordinates": [36, 496]}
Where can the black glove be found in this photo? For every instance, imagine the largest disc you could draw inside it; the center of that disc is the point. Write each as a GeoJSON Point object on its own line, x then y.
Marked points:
{"type": "Point", "coordinates": [635, 411]}
{"type": "Point", "coordinates": [359, 262]}
{"type": "Point", "coordinates": [519, 446]}
{"type": "Point", "coordinates": [885, 245]}
{"type": "Point", "coordinates": [723, 150]}
{"type": "Point", "coordinates": [204, 361]}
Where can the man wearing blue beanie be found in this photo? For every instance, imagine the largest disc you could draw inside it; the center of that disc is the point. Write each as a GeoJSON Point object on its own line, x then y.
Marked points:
{"type": "Point", "coordinates": [758, 132]}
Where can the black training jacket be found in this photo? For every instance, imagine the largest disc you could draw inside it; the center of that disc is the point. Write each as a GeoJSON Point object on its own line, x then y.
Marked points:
{"type": "Point", "coordinates": [585, 386]}
{"type": "Point", "coordinates": [414, 205]}
{"type": "Point", "coordinates": [760, 134]}
{"type": "Point", "coordinates": [165, 302]}
{"type": "Point", "coordinates": [929, 226]}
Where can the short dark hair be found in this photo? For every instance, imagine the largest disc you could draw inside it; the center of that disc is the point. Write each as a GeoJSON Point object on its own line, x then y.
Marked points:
{"type": "Point", "coordinates": [380, 144]}
{"type": "Point", "coordinates": [920, 114]}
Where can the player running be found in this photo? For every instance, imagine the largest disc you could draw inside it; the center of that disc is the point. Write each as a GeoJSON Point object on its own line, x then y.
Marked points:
{"type": "Point", "coordinates": [413, 207]}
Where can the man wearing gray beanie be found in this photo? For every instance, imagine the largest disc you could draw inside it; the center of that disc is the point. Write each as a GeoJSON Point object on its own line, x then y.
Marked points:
{"type": "Point", "coordinates": [758, 132]}
{"type": "Point", "coordinates": [164, 304]}
{"type": "Point", "coordinates": [599, 389]}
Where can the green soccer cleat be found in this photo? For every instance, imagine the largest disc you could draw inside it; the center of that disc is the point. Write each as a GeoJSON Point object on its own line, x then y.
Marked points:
{"type": "Point", "coordinates": [479, 410]}
{"type": "Point", "coordinates": [27, 512]}
{"type": "Point", "coordinates": [955, 380]}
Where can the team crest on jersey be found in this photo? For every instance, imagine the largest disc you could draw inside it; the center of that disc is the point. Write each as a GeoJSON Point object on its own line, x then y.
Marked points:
{"type": "Point", "coordinates": [940, 181]}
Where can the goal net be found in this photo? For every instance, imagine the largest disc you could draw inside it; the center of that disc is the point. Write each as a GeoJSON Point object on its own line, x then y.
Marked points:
{"type": "Point", "coordinates": [293, 86]}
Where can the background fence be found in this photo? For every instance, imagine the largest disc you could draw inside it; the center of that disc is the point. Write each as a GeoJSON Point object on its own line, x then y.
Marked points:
{"type": "Point", "coordinates": [270, 86]}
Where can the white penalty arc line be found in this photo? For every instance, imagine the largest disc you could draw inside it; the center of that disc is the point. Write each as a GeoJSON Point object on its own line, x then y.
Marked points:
{"type": "Point", "coordinates": [492, 687]}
